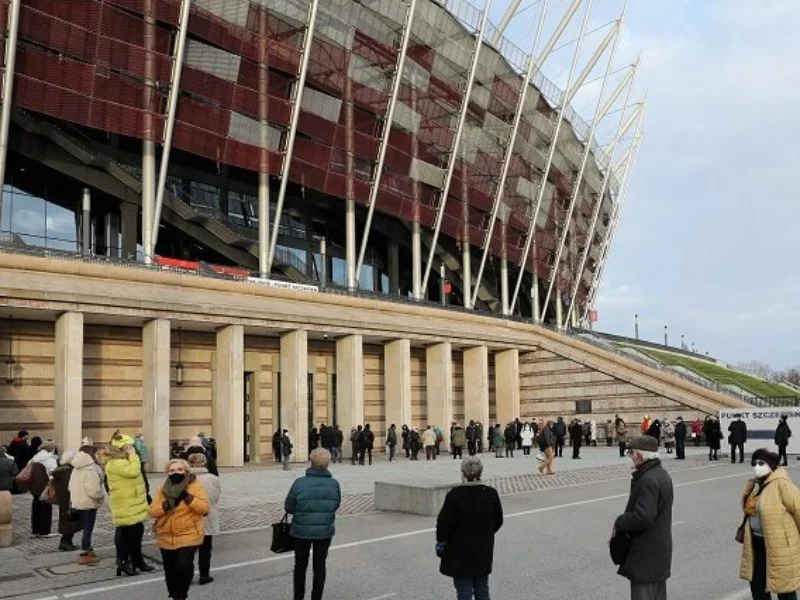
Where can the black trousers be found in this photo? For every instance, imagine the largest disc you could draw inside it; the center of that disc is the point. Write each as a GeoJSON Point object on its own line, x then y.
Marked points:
{"type": "Point", "coordinates": [178, 570]}
{"type": "Point", "coordinates": [128, 541]}
{"type": "Point", "coordinates": [457, 451]}
{"type": "Point", "coordinates": [364, 453]}
{"type": "Point", "coordinates": [782, 455]}
{"type": "Point", "coordinates": [302, 550]}
{"type": "Point", "coordinates": [759, 584]}
{"type": "Point", "coordinates": [622, 447]}
{"type": "Point", "coordinates": [41, 517]}
{"type": "Point", "coordinates": [680, 448]}
{"type": "Point", "coordinates": [559, 446]}
{"type": "Point", "coordinates": [576, 450]}
{"type": "Point", "coordinates": [471, 448]}
{"type": "Point", "coordinates": [204, 556]}
{"type": "Point", "coordinates": [609, 441]}
{"type": "Point", "coordinates": [740, 446]}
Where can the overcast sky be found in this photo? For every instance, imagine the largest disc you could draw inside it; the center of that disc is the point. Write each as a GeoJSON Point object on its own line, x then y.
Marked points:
{"type": "Point", "coordinates": [709, 239]}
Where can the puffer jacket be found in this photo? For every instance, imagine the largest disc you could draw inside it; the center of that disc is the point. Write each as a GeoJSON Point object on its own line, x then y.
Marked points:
{"type": "Point", "coordinates": [314, 500]}
{"type": "Point", "coordinates": [428, 437]}
{"type": "Point", "coordinates": [181, 527]}
{"type": "Point", "coordinates": [213, 489]}
{"type": "Point", "coordinates": [779, 510]}
{"type": "Point", "coordinates": [86, 483]}
{"type": "Point", "coordinates": [459, 438]}
{"type": "Point", "coordinates": [47, 459]}
{"type": "Point", "coordinates": [126, 489]}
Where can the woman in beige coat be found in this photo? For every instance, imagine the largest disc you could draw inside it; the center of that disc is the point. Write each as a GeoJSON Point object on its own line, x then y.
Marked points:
{"type": "Point", "coordinates": [771, 552]}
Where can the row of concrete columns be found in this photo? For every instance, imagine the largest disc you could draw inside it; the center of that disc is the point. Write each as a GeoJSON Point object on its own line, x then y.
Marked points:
{"type": "Point", "coordinates": [229, 367]}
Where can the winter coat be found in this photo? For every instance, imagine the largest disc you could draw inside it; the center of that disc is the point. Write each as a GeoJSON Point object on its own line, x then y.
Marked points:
{"type": "Point", "coordinates": [498, 439]}
{"type": "Point", "coordinates": [391, 437]}
{"type": "Point", "coordinates": [327, 436]}
{"type": "Point", "coordinates": [213, 487]}
{"type": "Point", "coordinates": [680, 431]}
{"type": "Point", "coordinates": [527, 437]}
{"type": "Point", "coordinates": [575, 433]}
{"type": "Point", "coordinates": [142, 450]}
{"type": "Point", "coordinates": [20, 451]}
{"type": "Point", "coordinates": [609, 430]}
{"type": "Point", "coordinates": [127, 494]}
{"type": "Point", "coordinates": [546, 439]}
{"type": "Point", "coordinates": [622, 433]}
{"type": "Point", "coordinates": [654, 431]}
{"type": "Point", "coordinates": [211, 464]}
{"type": "Point", "coordinates": [181, 527]}
{"type": "Point", "coordinates": [459, 438]}
{"type": "Point", "coordinates": [467, 523]}
{"type": "Point", "coordinates": [738, 432]}
{"type": "Point", "coordinates": [428, 438]}
{"type": "Point", "coordinates": [713, 433]}
{"type": "Point", "coordinates": [69, 522]}
{"type": "Point", "coordinates": [39, 479]}
{"type": "Point", "coordinates": [779, 510]}
{"type": "Point", "coordinates": [593, 431]}
{"type": "Point", "coordinates": [782, 434]}
{"type": "Point", "coordinates": [560, 430]}
{"type": "Point", "coordinates": [648, 520]}
{"type": "Point", "coordinates": [510, 435]}
{"type": "Point", "coordinates": [314, 500]}
{"type": "Point", "coordinates": [414, 442]}
{"type": "Point", "coordinates": [86, 483]}
{"type": "Point", "coordinates": [405, 435]}
{"type": "Point", "coordinates": [367, 439]}
{"type": "Point", "coordinates": [669, 434]}
{"type": "Point", "coordinates": [286, 447]}
{"type": "Point", "coordinates": [47, 459]}
{"type": "Point", "coordinates": [8, 469]}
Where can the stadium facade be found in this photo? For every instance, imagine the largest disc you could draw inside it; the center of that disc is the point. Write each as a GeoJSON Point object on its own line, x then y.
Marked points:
{"type": "Point", "coordinates": [401, 148]}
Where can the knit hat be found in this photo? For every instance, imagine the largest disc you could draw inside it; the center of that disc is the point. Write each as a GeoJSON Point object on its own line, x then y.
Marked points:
{"type": "Point", "coordinates": [197, 459]}
{"type": "Point", "coordinates": [120, 441]}
{"type": "Point", "coordinates": [48, 446]}
{"type": "Point", "coordinates": [771, 458]}
{"type": "Point", "coordinates": [644, 443]}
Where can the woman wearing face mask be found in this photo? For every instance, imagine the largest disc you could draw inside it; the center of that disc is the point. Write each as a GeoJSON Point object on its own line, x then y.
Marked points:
{"type": "Point", "coordinates": [771, 551]}
{"type": "Point", "coordinates": [178, 508]}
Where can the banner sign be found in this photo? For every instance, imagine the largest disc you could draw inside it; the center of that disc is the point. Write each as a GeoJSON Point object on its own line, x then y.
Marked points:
{"type": "Point", "coordinates": [761, 425]}
{"type": "Point", "coordinates": [286, 285]}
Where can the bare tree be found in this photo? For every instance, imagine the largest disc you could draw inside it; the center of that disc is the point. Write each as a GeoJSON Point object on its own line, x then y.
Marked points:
{"type": "Point", "coordinates": [757, 368]}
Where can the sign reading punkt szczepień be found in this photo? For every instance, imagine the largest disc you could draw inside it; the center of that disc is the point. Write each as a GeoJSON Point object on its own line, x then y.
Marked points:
{"type": "Point", "coordinates": [761, 425]}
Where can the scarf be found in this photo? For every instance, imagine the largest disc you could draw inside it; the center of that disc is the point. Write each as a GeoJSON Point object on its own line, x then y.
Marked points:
{"type": "Point", "coordinates": [172, 491]}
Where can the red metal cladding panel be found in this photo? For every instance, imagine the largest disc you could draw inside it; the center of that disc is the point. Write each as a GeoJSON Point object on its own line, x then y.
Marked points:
{"type": "Point", "coordinates": [316, 127]}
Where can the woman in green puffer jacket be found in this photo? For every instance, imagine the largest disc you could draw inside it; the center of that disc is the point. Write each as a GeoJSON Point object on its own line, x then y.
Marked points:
{"type": "Point", "coordinates": [313, 500]}
{"type": "Point", "coordinates": [127, 497]}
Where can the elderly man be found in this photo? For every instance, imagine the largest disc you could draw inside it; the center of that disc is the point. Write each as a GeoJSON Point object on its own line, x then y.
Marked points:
{"type": "Point", "coordinates": [645, 528]}
{"type": "Point", "coordinates": [313, 500]}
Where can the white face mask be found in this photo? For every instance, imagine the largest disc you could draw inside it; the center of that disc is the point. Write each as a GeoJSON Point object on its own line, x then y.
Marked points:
{"type": "Point", "coordinates": [762, 470]}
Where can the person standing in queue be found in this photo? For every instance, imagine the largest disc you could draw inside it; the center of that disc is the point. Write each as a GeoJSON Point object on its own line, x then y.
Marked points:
{"type": "Point", "coordinates": [415, 443]}
{"type": "Point", "coordinates": [198, 466]}
{"type": "Point", "coordinates": [391, 441]}
{"type": "Point", "coordinates": [367, 442]}
{"type": "Point", "coordinates": [179, 507]}
{"type": "Point", "coordinates": [622, 436]}
{"type": "Point", "coordinates": [680, 439]}
{"type": "Point", "coordinates": [647, 521]}
{"type": "Point", "coordinates": [771, 541]}
{"type": "Point", "coordinates": [465, 530]}
{"type": "Point", "coordinates": [498, 441]}
{"type": "Point", "coordinates": [286, 450]}
{"type": "Point", "coordinates": [559, 430]}
{"type": "Point", "coordinates": [713, 433]}
{"type": "Point", "coordinates": [609, 433]}
{"type": "Point", "coordinates": [737, 437]}
{"type": "Point", "coordinates": [355, 444]}
{"type": "Point", "coordinates": [313, 501]}
{"type": "Point", "coordinates": [575, 431]}
{"type": "Point", "coordinates": [782, 435]}
{"type": "Point", "coordinates": [459, 440]}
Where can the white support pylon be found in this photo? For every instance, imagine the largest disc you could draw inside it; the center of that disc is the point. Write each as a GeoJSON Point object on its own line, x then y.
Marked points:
{"type": "Point", "coordinates": [292, 133]}
{"type": "Point", "coordinates": [598, 116]}
{"type": "Point", "coordinates": [451, 165]}
{"type": "Point", "coordinates": [549, 163]}
{"type": "Point", "coordinates": [8, 89]}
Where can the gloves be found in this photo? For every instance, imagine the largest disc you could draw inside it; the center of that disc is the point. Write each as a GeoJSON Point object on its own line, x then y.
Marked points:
{"type": "Point", "coordinates": [165, 505]}
{"type": "Point", "coordinates": [188, 498]}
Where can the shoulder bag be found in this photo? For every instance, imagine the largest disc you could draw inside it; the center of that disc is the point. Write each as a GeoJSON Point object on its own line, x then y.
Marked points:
{"type": "Point", "coordinates": [739, 537]}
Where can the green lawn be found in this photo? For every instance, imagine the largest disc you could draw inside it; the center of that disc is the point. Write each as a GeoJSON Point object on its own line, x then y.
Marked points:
{"type": "Point", "coordinates": [719, 374]}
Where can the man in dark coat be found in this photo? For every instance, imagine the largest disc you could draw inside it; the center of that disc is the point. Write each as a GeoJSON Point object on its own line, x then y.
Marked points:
{"type": "Point", "coordinates": [465, 529]}
{"type": "Point", "coordinates": [737, 437]}
{"type": "Point", "coordinates": [276, 446]}
{"type": "Point", "coordinates": [479, 436]}
{"type": "Point", "coordinates": [647, 521]}
{"type": "Point", "coordinates": [20, 450]}
{"type": "Point", "coordinates": [355, 443]}
{"type": "Point", "coordinates": [472, 440]}
{"type": "Point", "coordinates": [575, 432]}
{"type": "Point", "coordinates": [8, 470]}
{"type": "Point", "coordinates": [366, 443]}
{"type": "Point", "coordinates": [680, 439]}
{"type": "Point", "coordinates": [560, 432]}
{"type": "Point", "coordinates": [782, 435]}
{"type": "Point", "coordinates": [713, 433]}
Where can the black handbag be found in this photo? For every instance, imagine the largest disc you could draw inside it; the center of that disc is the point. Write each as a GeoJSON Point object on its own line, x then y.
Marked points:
{"type": "Point", "coordinates": [619, 546]}
{"type": "Point", "coordinates": [282, 540]}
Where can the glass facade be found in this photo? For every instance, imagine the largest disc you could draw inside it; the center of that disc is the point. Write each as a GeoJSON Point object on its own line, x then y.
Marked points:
{"type": "Point", "coordinates": [36, 221]}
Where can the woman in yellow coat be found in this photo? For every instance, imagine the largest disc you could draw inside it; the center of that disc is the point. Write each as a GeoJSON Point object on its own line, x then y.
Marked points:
{"type": "Point", "coordinates": [771, 552]}
{"type": "Point", "coordinates": [178, 508]}
{"type": "Point", "coordinates": [127, 499]}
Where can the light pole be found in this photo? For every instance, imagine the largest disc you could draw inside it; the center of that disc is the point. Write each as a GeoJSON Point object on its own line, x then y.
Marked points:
{"type": "Point", "coordinates": [666, 338]}
{"type": "Point", "coordinates": [683, 343]}
{"type": "Point", "coordinates": [636, 325]}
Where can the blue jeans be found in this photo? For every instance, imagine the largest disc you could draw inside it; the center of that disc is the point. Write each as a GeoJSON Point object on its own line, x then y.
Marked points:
{"type": "Point", "coordinates": [466, 586]}
{"type": "Point", "coordinates": [88, 518]}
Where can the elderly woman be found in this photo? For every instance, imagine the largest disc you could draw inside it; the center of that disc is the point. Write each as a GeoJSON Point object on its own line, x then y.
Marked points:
{"type": "Point", "coordinates": [44, 462]}
{"type": "Point", "coordinates": [771, 551]}
{"type": "Point", "coordinates": [465, 530]}
{"type": "Point", "coordinates": [86, 495]}
{"type": "Point", "coordinates": [313, 500]}
{"type": "Point", "coordinates": [69, 522]}
{"type": "Point", "coordinates": [127, 495]}
{"type": "Point", "coordinates": [198, 467]}
{"type": "Point", "coordinates": [179, 506]}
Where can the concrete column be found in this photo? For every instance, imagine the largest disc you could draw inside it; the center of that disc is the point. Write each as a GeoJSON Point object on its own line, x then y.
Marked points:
{"type": "Point", "coordinates": [416, 262]}
{"type": "Point", "coordinates": [439, 375]}
{"type": "Point", "coordinates": [294, 391]}
{"type": "Point", "coordinates": [466, 273]}
{"type": "Point", "coordinates": [227, 404]}
{"type": "Point", "coordinates": [68, 414]}
{"type": "Point", "coordinates": [129, 228]}
{"type": "Point", "coordinates": [476, 385]}
{"type": "Point", "coordinates": [393, 260]}
{"type": "Point", "coordinates": [349, 385]}
{"type": "Point", "coordinates": [157, 369]}
{"type": "Point", "coordinates": [506, 374]}
{"type": "Point", "coordinates": [397, 382]}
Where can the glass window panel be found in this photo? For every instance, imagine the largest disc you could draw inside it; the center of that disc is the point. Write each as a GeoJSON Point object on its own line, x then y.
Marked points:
{"type": "Point", "coordinates": [28, 215]}
{"type": "Point", "coordinates": [60, 223]}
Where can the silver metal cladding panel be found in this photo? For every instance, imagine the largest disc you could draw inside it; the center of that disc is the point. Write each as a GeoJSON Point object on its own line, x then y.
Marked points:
{"type": "Point", "coordinates": [224, 65]}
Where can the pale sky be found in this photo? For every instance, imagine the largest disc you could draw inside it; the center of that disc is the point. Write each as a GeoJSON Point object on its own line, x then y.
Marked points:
{"type": "Point", "coordinates": [709, 237]}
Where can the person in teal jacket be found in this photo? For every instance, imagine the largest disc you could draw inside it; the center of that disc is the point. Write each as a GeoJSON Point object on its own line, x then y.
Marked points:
{"type": "Point", "coordinates": [313, 501]}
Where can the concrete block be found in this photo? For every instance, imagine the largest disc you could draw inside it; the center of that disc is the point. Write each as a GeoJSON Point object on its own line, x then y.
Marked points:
{"type": "Point", "coordinates": [417, 498]}
{"type": "Point", "coordinates": [5, 536]}
{"type": "Point", "coordinates": [5, 508]}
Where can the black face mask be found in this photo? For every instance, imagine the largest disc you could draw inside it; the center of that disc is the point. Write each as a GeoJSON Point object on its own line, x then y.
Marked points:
{"type": "Point", "coordinates": [176, 478]}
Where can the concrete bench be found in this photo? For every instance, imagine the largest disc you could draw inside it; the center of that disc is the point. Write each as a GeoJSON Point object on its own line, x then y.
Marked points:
{"type": "Point", "coordinates": [415, 497]}
{"type": "Point", "coordinates": [5, 519]}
